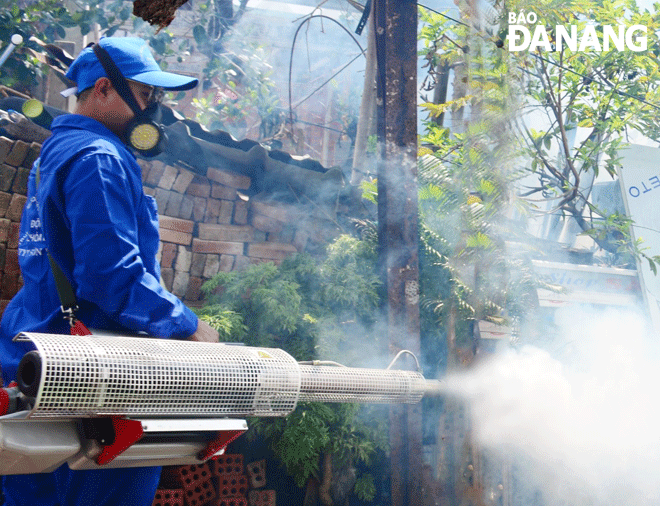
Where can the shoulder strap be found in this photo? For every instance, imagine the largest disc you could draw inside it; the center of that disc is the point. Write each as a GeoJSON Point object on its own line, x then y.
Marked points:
{"type": "Point", "coordinates": [67, 296]}
{"type": "Point", "coordinates": [64, 288]}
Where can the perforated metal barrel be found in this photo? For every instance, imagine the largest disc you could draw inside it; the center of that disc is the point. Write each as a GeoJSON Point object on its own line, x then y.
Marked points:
{"type": "Point", "coordinates": [113, 375]}
{"type": "Point", "coordinates": [76, 376]}
{"type": "Point", "coordinates": [351, 384]}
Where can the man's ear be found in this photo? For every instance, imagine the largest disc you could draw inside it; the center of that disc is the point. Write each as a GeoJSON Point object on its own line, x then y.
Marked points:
{"type": "Point", "coordinates": [102, 87]}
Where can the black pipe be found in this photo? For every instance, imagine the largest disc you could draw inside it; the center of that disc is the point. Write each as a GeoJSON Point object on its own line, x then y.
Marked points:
{"type": "Point", "coordinates": [28, 375]}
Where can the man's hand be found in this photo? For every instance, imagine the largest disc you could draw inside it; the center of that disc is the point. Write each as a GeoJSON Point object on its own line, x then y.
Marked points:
{"type": "Point", "coordinates": [204, 333]}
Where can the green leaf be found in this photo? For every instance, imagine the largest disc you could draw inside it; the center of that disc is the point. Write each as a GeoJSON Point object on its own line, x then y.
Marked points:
{"type": "Point", "coordinates": [547, 141]}
{"type": "Point", "coordinates": [200, 35]}
{"type": "Point", "coordinates": [365, 488]}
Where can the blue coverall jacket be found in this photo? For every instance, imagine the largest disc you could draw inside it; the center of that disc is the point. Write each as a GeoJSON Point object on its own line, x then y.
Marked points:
{"type": "Point", "coordinates": [90, 212]}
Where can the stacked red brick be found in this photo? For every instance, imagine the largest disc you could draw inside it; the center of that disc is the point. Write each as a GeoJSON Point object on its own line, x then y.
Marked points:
{"type": "Point", "coordinates": [197, 484]}
{"type": "Point", "coordinates": [220, 482]}
{"type": "Point", "coordinates": [208, 225]}
{"type": "Point", "coordinates": [257, 495]}
{"type": "Point", "coordinates": [168, 497]}
{"type": "Point", "coordinates": [16, 159]}
{"type": "Point", "coordinates": [231, 480]}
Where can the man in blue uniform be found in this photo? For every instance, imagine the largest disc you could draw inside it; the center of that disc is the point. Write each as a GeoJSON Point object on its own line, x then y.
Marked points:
{"type": "Point", "coordinates": [87, 208]}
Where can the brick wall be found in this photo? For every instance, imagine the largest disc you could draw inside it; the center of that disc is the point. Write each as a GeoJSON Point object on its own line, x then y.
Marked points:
{"type": "Point", "coordinates": [16, 158]}
{"type": "Point", "coordinates": [207, 224]}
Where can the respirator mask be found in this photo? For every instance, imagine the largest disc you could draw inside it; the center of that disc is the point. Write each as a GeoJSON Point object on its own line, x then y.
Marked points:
{"type": "Point", "coordinates": [144, 133]}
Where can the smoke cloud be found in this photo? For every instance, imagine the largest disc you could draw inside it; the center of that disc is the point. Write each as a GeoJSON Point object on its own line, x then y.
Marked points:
{"type": "Point", "coordinates": [584, 417]}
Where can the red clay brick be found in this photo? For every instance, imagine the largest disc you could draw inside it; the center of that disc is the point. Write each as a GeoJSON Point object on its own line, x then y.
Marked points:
{"type": "Point", "coordinates": [212, 265]}
{"type": "Point", "coordinates": [3, 304]}
{"type": "Point", "coordinates": [241, 212]}
{"type": "Point", "coordinates": [226, 211]}
{"type": "Point", "coordinates": [4, 229]}
{"type": "Point", "coordinates": [212, 211]}
{"type": "Point", "coordinates": [266, 224]}
{"type": "Point", "coordinates": [194, 289]}
{"type": "Point", "coordinates": [196, 482]}
{"type": "Point", "coordinates": [232, 501]}
{"type": "Point", "coordinates": [199, 208]}
{"type": "Point", "coordinates": [229, 178]}
{"type": "Point", "coordinates": [261, 498]}
{"type": "Point", "coordinates": [5, 147]}
{"type": "Point", "coordinates": [175, 237]}
{"type": "Point", "coordinates": [232, 485]}
{"type": "Point", "coordinates": [168, 277]}
{"type": "Point", "coordinates": [21, 181]}
{"type": "Point", "coordinates": [233, 233]}
{"type": "Point", "coordinates": [10, 285]}
{"type": "Point", "coordinates": [300, 239]}
{"type": "Point", "coordinates": [199, 187]}
{"type": "Point", "coordinates": [11, 262]}
{"type": "Point", "coordinates": [14, 233]}
{"type": "Point", "coordinates": [187, 204]}
{"type": "Point", "coordinates": [219, 247]}
{"type": "Point", "coordinates": [168, 497]}
{"type": "Point", "coordinates": [256, 471]}
{"type": "Point", "coordinates": [226, 263]}
{"type": "Point", "coordinates": [219, 191]}
{"type": "Point", "coordinates": [17, 154]}
{"type": "Point", "coordinates": [182, 181]}
{"type": "Point", "coordinates": [7, 174]}
{"type": "Point", "coordinates": [167, 179]}
{"type": "Point", "coordinates": [144, 168]}
{"type": "Point", "coordinates": [169, 223]}
{"type": "Point", "coordinates": [276, 211]}
{"type": "Point", "coordinates": [33, 154]}
{"type": "Point", "coordinates": [197, 264]}
{"type": "Point", "coordinates": [270, 250]}
{"type": "Point", "coordinates": [5, 199]}
{"type": "Point", "coordinates": [229, 463]}
{"type": "Point", "coordinates": [180, 283]}
{"type": "Point", "coordinates": [155, 173]}
{"type": "Point", "coordinates": [187, 476]}
{"type": "Point", "coordinates": [168, 255]}
{"type": "Point", "coordinates": [174, 204]}
{"type": "Point", "coordinates": [202, 494]}
{"type": "Point", "coordinates": [162, 198]}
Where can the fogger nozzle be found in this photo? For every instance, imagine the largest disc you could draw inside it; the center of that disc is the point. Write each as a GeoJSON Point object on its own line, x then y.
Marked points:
{"type": "Point", "coordinates": [112, 375]}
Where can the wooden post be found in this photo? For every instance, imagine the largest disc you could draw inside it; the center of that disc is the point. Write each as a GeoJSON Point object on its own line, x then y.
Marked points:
{"type": "Point", "coordinates": [396, 53]}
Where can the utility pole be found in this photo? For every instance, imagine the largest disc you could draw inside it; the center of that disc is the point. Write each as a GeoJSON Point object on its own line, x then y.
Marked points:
{"type": "Point", "coordinates": [396, 53]}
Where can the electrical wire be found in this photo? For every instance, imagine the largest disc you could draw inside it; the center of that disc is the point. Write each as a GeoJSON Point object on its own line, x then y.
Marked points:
{"type": "Point", "coordinates": [293, 46]}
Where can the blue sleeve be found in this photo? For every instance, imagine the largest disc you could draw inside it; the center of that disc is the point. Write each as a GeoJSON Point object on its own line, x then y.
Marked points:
{"type": "Point", "coordinates": [102, 203]}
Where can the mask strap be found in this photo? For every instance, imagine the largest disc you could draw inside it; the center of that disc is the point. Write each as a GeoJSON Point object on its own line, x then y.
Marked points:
{"type": "Point", "coordinates": [117, 79]}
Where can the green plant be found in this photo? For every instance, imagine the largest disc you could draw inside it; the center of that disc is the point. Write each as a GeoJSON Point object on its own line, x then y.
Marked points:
{"type": "Point", "coordinates": [47, 21]}
{"type": "Point", "coordinates": [241, 90]}
{"type": "Point", "coordinates": [313, 310]}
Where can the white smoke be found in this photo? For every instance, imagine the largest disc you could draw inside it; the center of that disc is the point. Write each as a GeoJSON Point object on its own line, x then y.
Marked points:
{"type": "Point", "coordinates": [587, 415]}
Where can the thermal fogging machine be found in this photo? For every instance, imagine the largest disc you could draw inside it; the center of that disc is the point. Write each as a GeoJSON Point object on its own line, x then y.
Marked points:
{"type": "Point", "coordinates": [114, 401]}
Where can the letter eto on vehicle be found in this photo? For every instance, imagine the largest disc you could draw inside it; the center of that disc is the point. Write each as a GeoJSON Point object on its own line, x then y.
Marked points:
{"type": "Point", "coordinates": [644, 186]}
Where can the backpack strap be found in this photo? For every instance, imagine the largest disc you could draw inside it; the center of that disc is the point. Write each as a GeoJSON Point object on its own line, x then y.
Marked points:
{"type": "Point", "coordinates": [69, 304]}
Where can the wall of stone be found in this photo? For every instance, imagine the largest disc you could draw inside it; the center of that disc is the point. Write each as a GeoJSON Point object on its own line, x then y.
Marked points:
{"type": "Point", "coordinates": [207, 224]}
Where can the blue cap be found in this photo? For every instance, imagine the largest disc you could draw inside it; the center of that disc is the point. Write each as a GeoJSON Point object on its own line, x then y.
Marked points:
{"type": "Point", "coordinates": [133, 58]}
